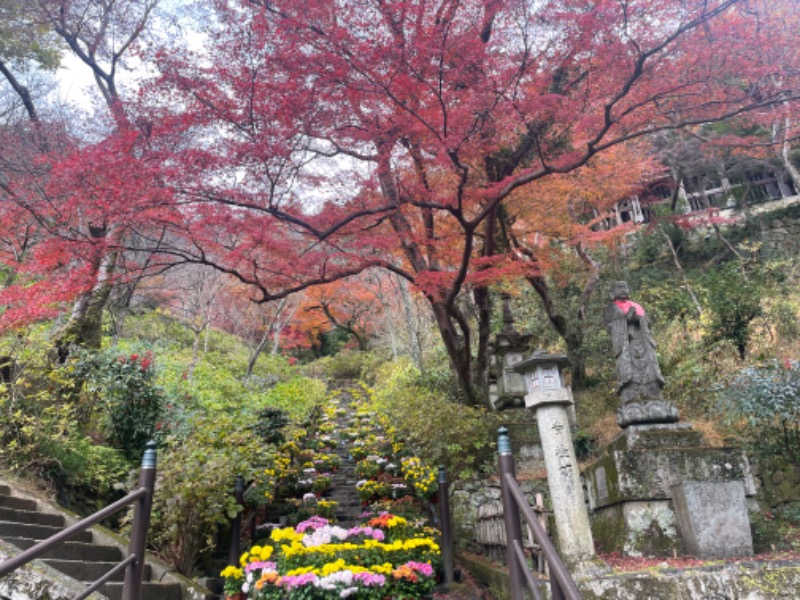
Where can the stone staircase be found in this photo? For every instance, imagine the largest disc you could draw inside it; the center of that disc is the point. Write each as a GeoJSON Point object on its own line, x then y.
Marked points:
{"type": "Point", "coordinates": [343, 490]}
{"type": "Point", "coordinates": [25, 521]}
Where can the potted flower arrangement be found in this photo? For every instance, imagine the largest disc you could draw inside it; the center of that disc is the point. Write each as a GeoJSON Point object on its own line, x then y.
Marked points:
{"type": "Point", "coordinates": [326, 462]}
{"type": "Point", "coordinates": [321, 485]}
{"type": "Point", "coordinates": [420, 477]}
{"type": "Point", "coordinates": [234, 578]}
{"type": "Point", "coordinates": [369, 490]}
{"type": "Point", "coordinates": [412, 580]}
{"type": "Point", "coordinates": [367, 469]}
{"type": "Point", "coordinates": [326, 508]}
{"type": "Point", "coordinates": [317, 560]}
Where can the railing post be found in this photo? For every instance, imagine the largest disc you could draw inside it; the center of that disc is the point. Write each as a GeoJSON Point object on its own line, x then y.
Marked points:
{"type": "Point", "coordinates": [446, 527]}
{"type": "Point", "coordinates": [236, 525]}
{"type": "Point", "coordinates": [510, 515]}
{"type": "Point", "coordinates": [141, 523]}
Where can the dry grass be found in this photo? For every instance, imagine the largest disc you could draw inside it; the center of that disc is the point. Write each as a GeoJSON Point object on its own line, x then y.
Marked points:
{"type": "Point", "coordinates": [711, 434]}
{"type": "Point", "coordinates": [604, 430]}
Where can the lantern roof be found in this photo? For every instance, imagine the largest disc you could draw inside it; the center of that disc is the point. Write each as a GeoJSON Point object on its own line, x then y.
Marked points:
{"type": "Point", "coordinates": [540, 357]}
{"type": "Point", "coordinates": [509, 339]}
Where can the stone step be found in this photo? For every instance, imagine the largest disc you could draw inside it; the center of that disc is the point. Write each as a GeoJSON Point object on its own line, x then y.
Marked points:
{"type": "Point", "coordinates": [19, 503]}
{"type": "Point", "coordinates": [150, 591]}
{"type": "Point", "coordinates": [348, 501]}
{"type": "Point", "coordinates": [18, 515]}
{"type": "Point", "coordinates": [22, 525]}
{"type": "Point", "coordinates": [38, 532]}
{"type": "Point", "coordinates": [73, 550]}
{"type": "Point", "coordinates": [90, 571]}
{"type": "Point", "coordinates": [350, 510]}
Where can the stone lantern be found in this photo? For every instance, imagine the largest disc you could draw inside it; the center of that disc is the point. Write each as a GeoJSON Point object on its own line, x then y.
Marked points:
{"type": "Point", "coordinates": [543, 382]}
{"type": "Point", "coordinates": [506, 386]}
{"type": "Point", "coordinates": [551, 400]}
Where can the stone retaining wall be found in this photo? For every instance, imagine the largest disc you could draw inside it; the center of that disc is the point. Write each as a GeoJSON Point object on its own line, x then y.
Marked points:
{"type": "Point", "coordinates": [780, 234]}
{"type": "Point", "coordinates": [733, 581]}
{"type": "Point", "coordinates": [779, 487]}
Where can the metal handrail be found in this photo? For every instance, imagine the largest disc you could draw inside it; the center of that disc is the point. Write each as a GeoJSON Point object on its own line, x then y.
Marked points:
{"type": "Point", "coordinates": [235, 550]}
{"type": "Point", "coordinates": [143, 497]}
{"type": "Point", "coordinates": [446, 528]}
{"type": "Point", "coordinates": [562, 584]}
{"type": "Point", "coordinates": [557, 567]}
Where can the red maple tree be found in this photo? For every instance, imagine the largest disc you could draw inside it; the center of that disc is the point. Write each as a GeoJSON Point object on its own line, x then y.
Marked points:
{"type": "Point", "coordinates": [306, 142]}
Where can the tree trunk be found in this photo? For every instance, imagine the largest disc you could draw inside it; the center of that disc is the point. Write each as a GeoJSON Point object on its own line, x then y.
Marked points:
{"type": "Point", "coordinates": [85, 325]}
{"type": "Point", "coordinates": [686, 284]}
{"type": "Point", "coordinates": [415, 343]}
{"type": "Point", "coordinates": [195, 353]}
{"type": "Point", "coordinates": [483, 303]}
{"type": "Point", "coordinates": [458, 351]}
{"type": "Point", "coordinates": [251, 364]}
{"type": "Point", "coordinates": [782, 130]}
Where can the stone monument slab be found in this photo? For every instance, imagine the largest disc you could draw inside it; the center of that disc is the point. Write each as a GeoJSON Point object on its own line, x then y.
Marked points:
{"type": "Point", "coordinates": [712, 518]}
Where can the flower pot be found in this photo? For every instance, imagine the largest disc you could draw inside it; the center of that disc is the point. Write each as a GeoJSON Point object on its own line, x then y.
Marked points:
{"type": "Point", "coordinates": [236, 596]}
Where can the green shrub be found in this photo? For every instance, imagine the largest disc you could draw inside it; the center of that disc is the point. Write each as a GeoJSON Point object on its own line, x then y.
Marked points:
{"type": "Point", "coordinates": [269, 425]}
{"type": "Point", "coordinates": [767, 399]}
{"type": "Point", "coordinates": [460, 437]}
{"type": "Point", "coordinates": [733, 302]}
{"type": "Point", "coordinates": [297, 397]}
{"type": "Point", "coordinates": [194, 491]}
{"type": "Point", "coordinates": [125, 385]}
{"type": "Point", "coordinates": [348, 365]}
{"type": "Point", "coordinates": [274, 368]}
{"type": "Point", "coordinates": [40, 436]}
{"type": "Point", "coordinates": [88, 476]}
{"type": "Point", "coordinates": [769, 533]}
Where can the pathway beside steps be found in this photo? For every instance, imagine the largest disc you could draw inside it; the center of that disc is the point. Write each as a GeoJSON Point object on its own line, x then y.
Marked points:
{"type": "Point", "coordinates": [23, 523]}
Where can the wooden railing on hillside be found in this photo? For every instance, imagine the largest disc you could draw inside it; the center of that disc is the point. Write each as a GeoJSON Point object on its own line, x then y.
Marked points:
{"type": "Point", "coordinates": [133, 564]}
{"type": "Point", "coordinates": [562, 586]}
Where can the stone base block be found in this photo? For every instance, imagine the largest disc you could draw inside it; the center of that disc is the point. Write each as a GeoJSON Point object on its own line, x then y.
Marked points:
{"type": "Point", "coordinates": [645, 528]}
{"type": "Point", "coordinates": [643, 463]}
{"type": "Point", "coordinates": [631, 488]}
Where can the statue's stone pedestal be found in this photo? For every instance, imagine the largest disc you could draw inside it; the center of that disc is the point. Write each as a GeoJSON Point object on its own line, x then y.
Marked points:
{"type": "Point", "coordinates": [656, 490]}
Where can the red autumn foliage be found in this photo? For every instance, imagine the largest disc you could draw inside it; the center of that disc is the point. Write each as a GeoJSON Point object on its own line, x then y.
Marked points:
{"type": "Point", "coordinates": [307, 142]}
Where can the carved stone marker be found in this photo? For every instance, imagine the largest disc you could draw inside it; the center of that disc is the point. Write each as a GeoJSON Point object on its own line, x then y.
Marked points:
{"type": "Point", "coordinates": [550, 399]}
{"type": "Point", "coordinates": [634, 350]}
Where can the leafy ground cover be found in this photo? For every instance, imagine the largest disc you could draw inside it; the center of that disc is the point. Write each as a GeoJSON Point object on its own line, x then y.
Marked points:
{"type": "Point", "coordinates": [630, 564]}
